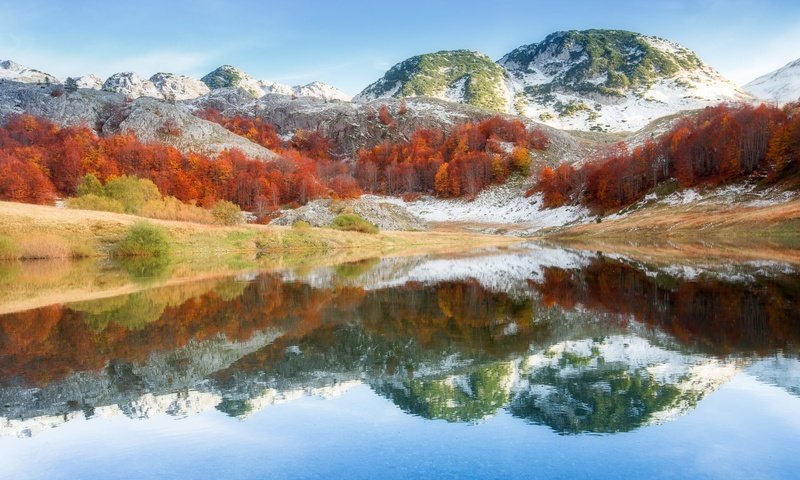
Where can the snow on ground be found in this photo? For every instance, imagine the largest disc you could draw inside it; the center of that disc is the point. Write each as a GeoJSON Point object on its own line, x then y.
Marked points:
{"type": "Point", "coordinates": [781, 86]}
{"type": "Point", "coordinates": [497, 270]}
{"type": "Point", "coordinates": [744, 194]}
{"type": "Point", "coordinates": [501, 204]}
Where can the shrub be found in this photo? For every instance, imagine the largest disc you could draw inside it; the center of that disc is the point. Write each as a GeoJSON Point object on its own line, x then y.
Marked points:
{"type": "Point", "coordinates": [37, 246]}
{"type": "Point", "coordinates": [144, 240]}
{"type": "Point", "coordinates": [301, 225]}
{"type": "Point", "coordinates": [90, 185]}
{"type": "Point", "coordinates": [227, 213]}
{"type": "Point", "coordinates": [93, 202]}
{"type": "Point", "coordinates": [8, 249]}
{"type": "Point", "coordinates": [132, 192]}
{"type": "Point", "coordinates": [170, 208]}
{"type": "Point", "coordinates": [353, 223]}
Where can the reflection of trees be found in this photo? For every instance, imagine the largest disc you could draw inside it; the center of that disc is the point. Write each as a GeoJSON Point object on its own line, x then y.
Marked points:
{"type": "Point", "coordinates": [461, 398]}
{"type": "Point", "coordinates": [606, 399]}
{"type": "Point", "coordinates": [446, 351]}
{"type": "Point", "coordinates": [712, 315]}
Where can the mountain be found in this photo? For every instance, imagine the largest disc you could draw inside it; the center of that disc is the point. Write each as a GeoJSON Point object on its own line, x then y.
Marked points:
{"type": "Point", "coordinates": [19, 73]}
{"type": "Point", "coordinates": [611, 80]}
{"type": "Point", "coordinates": [461, 76]}
{"type": "Point", "coordinates": [780, 86]}
{"type": "Point", "coordinates": [131, 85]}
{"type": "Point", "coordinates": [606, 80]}
{"type": "Point", "coordinates": [229, 76]}
{"type": "Point", "coordinates": [89, 81]}
{"type": "Point", "coordinates": [178, 87]}
{"type": "Point", "coordinates": [320, 90]}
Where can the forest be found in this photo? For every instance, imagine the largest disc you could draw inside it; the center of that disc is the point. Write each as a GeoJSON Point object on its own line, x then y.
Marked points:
{"type": "Point", "coordinates": [40, 161]}
{"type": "Point", "coordinates": [717, 146]}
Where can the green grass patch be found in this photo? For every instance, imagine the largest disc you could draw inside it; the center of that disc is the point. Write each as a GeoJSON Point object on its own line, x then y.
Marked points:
{"type": "Point", "coordinates": [353, 223]}
{"type": "Point", "coordinates": [144, 240]}
{"type": "Point", "coordinates": [8, 249]}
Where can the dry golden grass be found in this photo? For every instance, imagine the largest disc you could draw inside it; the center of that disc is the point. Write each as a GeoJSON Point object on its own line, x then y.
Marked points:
{"type": "Point", "coordinates": [39, 246]}
{"type": "Point", "coordinates": [101, 230]}
{"type": "Point", "coordinates": [170, 208]}
{"type": "Point", "coordinates": [712, 222]}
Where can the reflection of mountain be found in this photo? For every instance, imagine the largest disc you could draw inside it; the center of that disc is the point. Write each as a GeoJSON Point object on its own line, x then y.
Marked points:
{"type": "Point", "coordinates": [466, 397]}
{"type": "Point", "coordinates": [778, 370]}
{"type": "Point", "coordinates": [575, 342]}
{"type": "Point", "coordinates": [613, 384]}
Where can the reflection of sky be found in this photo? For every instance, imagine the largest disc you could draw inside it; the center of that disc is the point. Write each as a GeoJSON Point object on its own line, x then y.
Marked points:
{"type": "Point", "coordinates": [744, 430]}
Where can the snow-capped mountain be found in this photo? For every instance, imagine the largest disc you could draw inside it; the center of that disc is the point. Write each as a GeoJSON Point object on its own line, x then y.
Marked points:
{"type": "Point", "coordinates": [178, 87]}
{"type": "Point", "coordinates": [781, 86]}
{"type": "Point", "coordinates": [277, 88]}
{"type": "Point", "coordinates": [586, 80]}
{"type": "Point", "coordinates": [131, 85]}
{"type": "Point", "coordinates": [460, 76]}
{"type": "Point", "coordinates": [320, 90]}
{"type": "Point", "coordinates": [15, 72]}
{"type": "Point", "coordinates": [228, 76]}
{"type": "Point", "coordinates": [90, 81]}
{"type": "Point", "coordinates": [611, 80]}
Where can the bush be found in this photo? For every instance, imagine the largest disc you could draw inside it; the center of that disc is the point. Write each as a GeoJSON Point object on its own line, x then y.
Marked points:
{"type": "Point", "coordinates": [353, 223]}
{"type": "Point", "coordinates": [301, 225]}
{"type": "Point", "coordinates": [170, 208]}
{"type": "Point", "coordinates": [93, 202]}
{"type": "Point", "coordinates": [144, 240]}
{"type": "Point", "coordinates": [132, 192]}
{"type": "Point", "coordinates": [227, 213]}
{"type": "Point", "coordinates": [8, 249]}
{"type": "Point", "coordinates": [38, 246]}
{"type": "Point", "coordinates": [90, 185]}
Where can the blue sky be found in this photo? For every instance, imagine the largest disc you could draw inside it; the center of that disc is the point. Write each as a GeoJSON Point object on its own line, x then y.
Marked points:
{"type": "Point", "coordinates": [351, 43]}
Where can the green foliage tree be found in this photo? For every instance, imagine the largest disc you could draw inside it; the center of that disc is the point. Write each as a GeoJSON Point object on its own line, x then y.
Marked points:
{"type": "Point", "coordinates": [90, 185]}
{"type": "Point", "coordinates": [71, 85]}
{"type": "Point", "coordinates": [132, 192]}
{"type": "Point", "coordinates": [227, 213]}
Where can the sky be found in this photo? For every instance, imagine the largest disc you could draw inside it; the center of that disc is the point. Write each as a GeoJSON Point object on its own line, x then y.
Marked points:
{"type": "Point", "coordinates": [350, 44]}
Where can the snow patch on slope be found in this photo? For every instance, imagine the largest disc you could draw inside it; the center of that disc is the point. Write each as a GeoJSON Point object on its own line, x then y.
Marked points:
{"type": "Point", "coordinates": [15, 72]}
{"type": "Point", "coordinates": [781, 86]}
{"type": "Point", "coordinates": [500, 204]}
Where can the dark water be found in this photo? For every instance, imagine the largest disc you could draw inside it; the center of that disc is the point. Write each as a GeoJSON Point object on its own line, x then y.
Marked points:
{"type": "Point", "coordinates": [533, 363]}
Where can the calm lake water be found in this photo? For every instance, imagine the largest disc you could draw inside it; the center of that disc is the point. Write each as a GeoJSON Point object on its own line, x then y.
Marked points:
{"type": "Point", "coordinates": [536, 362]}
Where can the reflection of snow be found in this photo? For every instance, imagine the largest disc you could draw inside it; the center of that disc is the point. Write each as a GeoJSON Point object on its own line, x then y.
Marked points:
{"type": "Point", "coordinates": [496, 270]}
{"type": "Point", "coordinates": [695, 376]}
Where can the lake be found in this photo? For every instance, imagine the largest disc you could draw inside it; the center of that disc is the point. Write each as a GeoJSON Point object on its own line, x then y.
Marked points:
{"type": "Point", "coordinates": [528, 362]}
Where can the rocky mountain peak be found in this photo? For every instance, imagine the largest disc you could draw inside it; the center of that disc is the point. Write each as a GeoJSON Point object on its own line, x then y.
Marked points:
{"type": "Point", "coordinates": [131, 85]}
{"type": "Point", "coordinates": [13, 71]}
{"type": "Point", "coordinates": [228, 76]}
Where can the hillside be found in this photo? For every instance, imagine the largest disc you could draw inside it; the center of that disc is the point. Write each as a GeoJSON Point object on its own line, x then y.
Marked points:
{"type": "Point", "coordinates": [602, 80]}
{"type": "Point", "coordinates": [460, 76]}
{"type": "Point", "coordinates": [781, 86]}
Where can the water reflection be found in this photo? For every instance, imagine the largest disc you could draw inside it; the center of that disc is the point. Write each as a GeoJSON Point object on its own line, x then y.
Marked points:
{"type": "Point", "coordinates": [581, 343]}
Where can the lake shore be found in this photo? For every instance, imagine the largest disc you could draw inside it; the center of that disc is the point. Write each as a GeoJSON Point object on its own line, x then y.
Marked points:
{"type": "Point", "coordinates": [769, 225]}
{"type": "Point", "coordinates": [94, 234]}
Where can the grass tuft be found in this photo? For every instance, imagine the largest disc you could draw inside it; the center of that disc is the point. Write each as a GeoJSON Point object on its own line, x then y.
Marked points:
{"type": "Point", "coordinates": [353, 223]}
{"type": "Point", "coordinates": [144, 240]}
{"type": "Point", "coordinates": [41, 246]}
